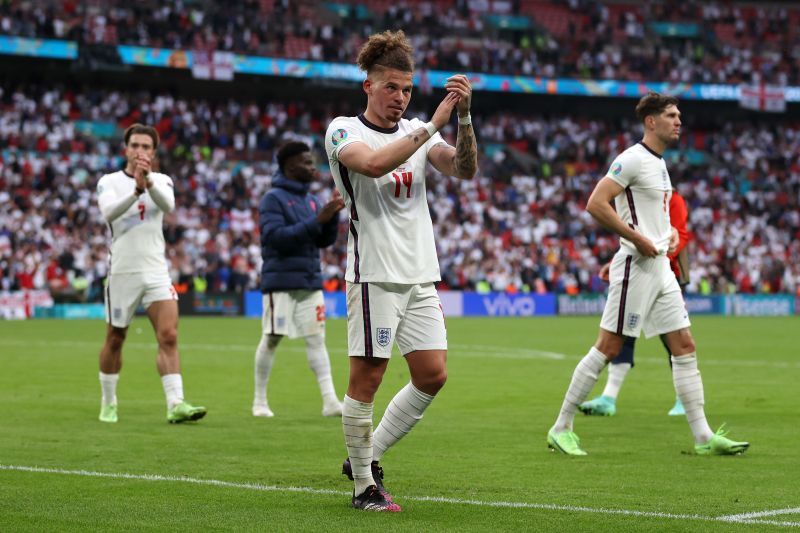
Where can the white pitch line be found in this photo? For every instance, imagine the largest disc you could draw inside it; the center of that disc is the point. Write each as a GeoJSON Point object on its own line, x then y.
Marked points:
{"type": "Point", "coordinates": [481, 350]}
{"type": "Point", "coordinates": [460, 350]}
{"type": "Point", "coordinates": [741, 519]}
{"type": "Point", "coordinates": [759, 514]}
{"type": "Point", "coordinates": [456, 351]}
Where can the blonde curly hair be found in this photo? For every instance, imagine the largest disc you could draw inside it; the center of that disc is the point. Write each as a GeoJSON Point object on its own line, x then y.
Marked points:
{"type": "Point", "coordinates": [390, 49]}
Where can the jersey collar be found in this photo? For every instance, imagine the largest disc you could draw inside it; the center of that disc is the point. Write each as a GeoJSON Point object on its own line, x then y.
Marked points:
{"type": "Point", "coordinates": [651, 150]}
{"type": "Point", "coordinates": [375, 127]}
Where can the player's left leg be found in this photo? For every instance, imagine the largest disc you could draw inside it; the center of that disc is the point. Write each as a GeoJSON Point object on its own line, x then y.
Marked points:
{"type": "Point", "coordinates": [428, 375]}
{"type": "Point", "coordinates": [422, 338]}
{"type": "Point", "coordinates": [689, 388]}
{"type": "Point", "coordinates": [163, 315]}
{"type": "Point", "coordinates": [668, 316]}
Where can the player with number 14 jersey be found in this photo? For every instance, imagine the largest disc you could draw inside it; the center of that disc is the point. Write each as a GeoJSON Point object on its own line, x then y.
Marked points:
{"type": "Point", "coordinates": [391, 233]}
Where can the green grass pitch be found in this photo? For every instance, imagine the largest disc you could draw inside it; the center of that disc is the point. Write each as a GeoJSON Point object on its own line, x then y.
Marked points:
{"type": "Point", "coordinates": [476, 462]}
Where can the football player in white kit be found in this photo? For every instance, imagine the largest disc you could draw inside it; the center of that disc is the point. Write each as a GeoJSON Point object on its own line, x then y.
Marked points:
{"type": "Point", "coordinates": [643, 291]}
{"type": "Point", "coordinates": [133, 202]}
{"type": "Point", "coordinates": [378, 162]}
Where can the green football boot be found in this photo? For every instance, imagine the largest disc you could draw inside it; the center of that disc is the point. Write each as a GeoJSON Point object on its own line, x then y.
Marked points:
{"type": "Point", "coordinates": [721, 445]}
{"type": "Point", "coordinates": [108, 413]}
{"type": "Point", "coordinates": [566, 442]}
{"type": "Point", "coordinates": [600, 406]}
{"type": "Point", "coordinates": [185, 412]}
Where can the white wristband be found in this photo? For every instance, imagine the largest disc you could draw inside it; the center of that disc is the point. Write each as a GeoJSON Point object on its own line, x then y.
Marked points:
{"type": "Point", "coordinates": [430, 128]}
{"type": "Point", "coordinates": [465, 121]}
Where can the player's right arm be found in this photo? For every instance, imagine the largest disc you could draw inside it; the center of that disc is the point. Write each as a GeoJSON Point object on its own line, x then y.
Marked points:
{"type": "Point", "coordinates": [361, 158]}
{"type": "Point", "coordinates": [111, 206]}
{"type": "Point", "coordinates": [599, 206]}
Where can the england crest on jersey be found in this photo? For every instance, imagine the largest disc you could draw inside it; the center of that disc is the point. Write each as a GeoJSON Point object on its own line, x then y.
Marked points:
{"type": "Point", "coordinates": [384, 336]}
{"type": "Point", "coordinates": [633, 320]}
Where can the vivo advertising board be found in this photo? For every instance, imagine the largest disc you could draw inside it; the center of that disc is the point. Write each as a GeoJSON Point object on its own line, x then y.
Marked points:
{"type": "Point", "coordinates": [501, 304]}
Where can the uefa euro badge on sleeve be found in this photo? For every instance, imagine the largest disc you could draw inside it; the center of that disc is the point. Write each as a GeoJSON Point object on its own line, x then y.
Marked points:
{"type": "Point", "coordinates": [384, 336]}
{"type": "Point", "coordinates": [338, 136]}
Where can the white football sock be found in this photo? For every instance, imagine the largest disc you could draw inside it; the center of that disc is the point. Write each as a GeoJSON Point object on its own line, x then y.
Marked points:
{"type": "Point", "coordinates": [404, 411]}
{"type": "Point", "coordinates": [320, 364]}
{"type": "Point", "coordinates": [357, 426]}
{"type": "Point", "coordinates": [583, 380]}
{"type": "Point", "coordinates": [108, 383]}
{"type": "Point", "coordinates": [689, 388]}
{"type": "Point", "coordinates": [265, 355]}
{"type": "Point", "coordinates": [173, 389]}
{"type": "Point", "coordinates": [616, 375]}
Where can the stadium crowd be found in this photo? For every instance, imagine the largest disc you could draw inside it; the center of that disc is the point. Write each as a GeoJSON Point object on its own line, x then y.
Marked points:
{"type": "Point", "coordinates": [521, 226]}
{"type": "Point", "coordinates": [708, 42]}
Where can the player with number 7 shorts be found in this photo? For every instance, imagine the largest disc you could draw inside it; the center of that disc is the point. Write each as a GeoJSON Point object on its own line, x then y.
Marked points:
{"type": "Point", "coordinates": [133, 201]}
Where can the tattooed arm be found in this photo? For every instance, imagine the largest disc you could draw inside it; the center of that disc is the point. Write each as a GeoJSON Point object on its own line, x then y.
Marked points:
{"type": "Point", "coordinates": [376, 163]}
{"type": "Point", "coordinates": [461, 161]}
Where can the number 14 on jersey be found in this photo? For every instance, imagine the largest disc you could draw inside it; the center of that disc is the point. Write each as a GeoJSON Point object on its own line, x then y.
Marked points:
{"type": "Point", "coordinates": [402, 179]}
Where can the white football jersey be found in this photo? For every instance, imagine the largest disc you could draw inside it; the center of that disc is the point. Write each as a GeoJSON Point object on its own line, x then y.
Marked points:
{"type": "Point", "coordinates": [644, 204]}
{"type": "Point", "coordinates": [137, 236]}
{"type": "Point", "coordinates": [391, 233]}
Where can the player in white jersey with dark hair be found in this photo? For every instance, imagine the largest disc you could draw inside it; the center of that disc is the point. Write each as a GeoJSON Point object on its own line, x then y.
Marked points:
{"type": "Point", "coordinates": [378, 162]}
{"type": "Point", "coordinates": [133, 202]}
{"type": "Point", "coordinates": [643, 292]}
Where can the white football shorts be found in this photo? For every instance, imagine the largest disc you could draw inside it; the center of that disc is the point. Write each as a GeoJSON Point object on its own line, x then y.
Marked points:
{"type": "Point", "coordinates": [381, 314]}
{"type": "Point", "coordinates": [125, 292]}
{"type": "Point", "coordinates": [643, 294]}
{"type": "Point", "coordinates": [294, 314]}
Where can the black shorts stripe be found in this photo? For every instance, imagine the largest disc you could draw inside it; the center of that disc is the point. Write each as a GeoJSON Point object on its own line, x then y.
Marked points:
{"type": "Point", "coordinates": [631, 206]}
{"type": "Point", "coordinates": [271, 315]}
{"type": "Point", "coordinates": [624, 296]}
{"type": "Point", "coordinates": [367, 320]}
